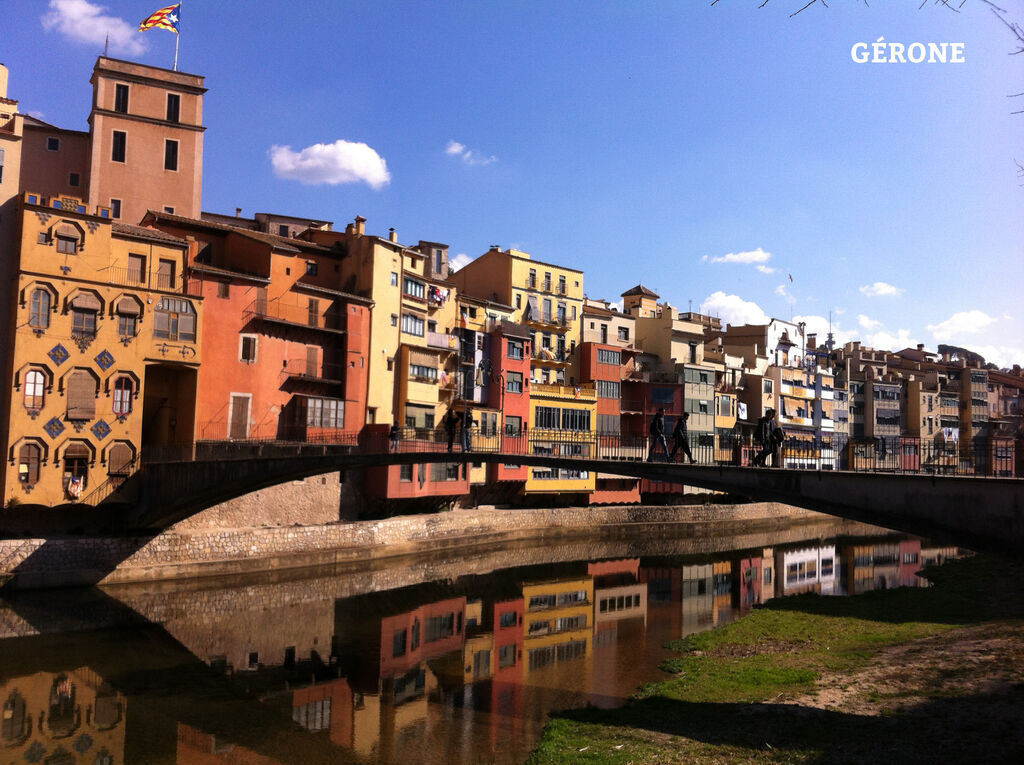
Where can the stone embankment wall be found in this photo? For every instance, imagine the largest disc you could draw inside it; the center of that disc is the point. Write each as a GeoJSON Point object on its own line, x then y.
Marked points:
{"type": "Point", "coordinates": [183, 552]}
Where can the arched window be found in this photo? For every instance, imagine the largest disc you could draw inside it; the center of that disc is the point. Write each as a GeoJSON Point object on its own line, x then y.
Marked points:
{"type": "Point", "coordinates": [84, 309]}
{"type": "Point", "coordinates": [35, 390]}
{"type": "Point", "coordinates": [124, 387]}
{"type": "Point", "coordinates": [81, 395]}
{"type": "Point", "coordinates": [120, 460]}
{"type": "Point", "coordinates": [28, 464]}
{"type": "Point", "coordinates": [39, 309]}
{"type": "Point", "coordinates": [76, 469]}
{"type": "Point", "coordinates": [15, 720]}
{"type": "Point", "coordinates": [174, 319]}
{"type": "Point", "coordinates": [127, 317]}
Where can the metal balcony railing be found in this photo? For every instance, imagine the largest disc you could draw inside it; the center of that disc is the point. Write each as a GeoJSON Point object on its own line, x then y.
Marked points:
{"type": "Point", "coordinates": [309, 370]}
{"type": "Point", "coordinates": [295, 314]}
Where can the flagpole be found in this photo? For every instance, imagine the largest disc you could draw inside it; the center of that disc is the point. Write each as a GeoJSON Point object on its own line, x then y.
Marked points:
{"type": "Point", "coordinates": [177, 38]}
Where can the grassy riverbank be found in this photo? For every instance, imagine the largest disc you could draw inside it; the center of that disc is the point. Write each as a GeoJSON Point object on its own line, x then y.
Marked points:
{"type": "Point", "coordinates": [908, 675]}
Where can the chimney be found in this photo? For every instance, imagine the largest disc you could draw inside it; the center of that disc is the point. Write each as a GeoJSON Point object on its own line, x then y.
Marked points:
{"type": "Point", "coordinates": [495, 248]}
{"type": "Point", "coordinates": [392, 236]}
{"type": "Point", "coordinates": [350, 229]}
{"type": "Point", "coordinates": [360, 225]}
{"type": "Point", "coordinates": [945, 357]}
{"type": "Point", "coordinates": [238, 212]}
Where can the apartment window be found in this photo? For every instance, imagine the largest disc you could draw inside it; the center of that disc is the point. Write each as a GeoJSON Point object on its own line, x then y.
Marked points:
{"type": "Point", "coordinates": [311, 268]}
{"type": "Point", "coordinates": [67, 245]}
{"type": "Point", "coordinates": [39, 309]}
{"type": "Point", "coordinates": [124, 389]}
{"type": "Point", "coordinates": [325, 413]}
{"type": "Point", "coordinates": [168, 209]}
{"type": "Point", "coordinates": [247, 349]}
{"type": "Point", "coordinates": [137, 268]}
{"type": "Point", "coordinates": [624, 334]}
{"type": "Point", "coordinates": [29, 457]}
{"type": "Point", "coordinates": [121, 98]}
{"type": "Point", "coordinates": [575, 419]}
{"type": "Point", "coordinates": [223, 289]}
{"type": "Point", "coordinates": [519, 301]}
{"type": "Point", "coordinates": [767, 386]}
{"type": "Point", "coordinates": [513, 425]}
{"type": "Point", "coordinates": [605, 356]}
{"type": "Point", "coordinates": [514, 382]}
{"type": "Point", "coordinates": [81, 395]}
{"type": "Point", "coordinates": [394, 320]}
{"type": "Point", "coordinates": [693, 353]}
{"type": "Point", "coordinates": [118, 142]}
{"type": "Point", "coordinates": [174, 319]}
{"type": "Point", "coordinates": [412, 324]}
{"type": "Point", "coordinates": [173, 107]}
{"type": "Point", "coordinates": [515, 349]}
{"type": "Point", "coordinates": [74, 179]}
{"type": "Point", "coordinates": [405, 473]}
{"type": "Point", "coordinates": [394, 279]}
{"type": "Point", "coordinates": [1, 164]}
{"type": "Point", "coordinates": [561, 284]}
{"type": "Point", "coordinates": [532, 281]}
{"type": "Point", "coordinates": [83, 322]}
{"type": "Point", "coordinates": [170, 154]}
{"type": "Point", "coordinates": [423, 372]}
{"type": "Point", "coordinates": [607, 389]}
{"type": "Point", "coordinates": [127, 324]}
{"type": "Point", "coordinates": [438, 262]}
{"type": "Point", "coordinates": [546, 417]}
{"type": "Point", "coordinates": [165, 274]}
{"type": "Point", "coordinates": [35, 390]}
{"type": "Point", "coordinates": [115, 208]}
{"type": "Point", "coordinates": [52, 143]}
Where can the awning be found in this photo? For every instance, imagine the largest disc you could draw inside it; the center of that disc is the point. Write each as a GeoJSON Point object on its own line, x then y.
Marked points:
{"type": "Point", "coordinates": [86, 301]}
{"type": "Point", "coordinates": [128, 306]}
{"type": "Point", "coordinates": [421, 359]}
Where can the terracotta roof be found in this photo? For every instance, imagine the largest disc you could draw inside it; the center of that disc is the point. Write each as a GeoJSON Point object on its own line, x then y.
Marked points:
{"type": "Point", "coordinates": [641, 290]}
{"type": "Point", "coordinates": [203, 268]}
{"type": "Point", "coordinates": [282, 243]}
{"type": "Point", "coordinates": [141, 232]}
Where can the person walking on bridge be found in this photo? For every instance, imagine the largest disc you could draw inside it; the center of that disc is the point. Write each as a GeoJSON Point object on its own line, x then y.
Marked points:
{"type": "Point", "coordinates": [451, 422]}
{"type": "Point", "coordinates": [681, 439]}
{"type": "Point", "coordinates": [764, 433]}
{"type": "Point", "coordinates": [657, 431]}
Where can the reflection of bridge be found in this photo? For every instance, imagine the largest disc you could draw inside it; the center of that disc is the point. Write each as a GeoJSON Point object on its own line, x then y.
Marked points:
{"type": "Point", "coordinates": [175, 483]}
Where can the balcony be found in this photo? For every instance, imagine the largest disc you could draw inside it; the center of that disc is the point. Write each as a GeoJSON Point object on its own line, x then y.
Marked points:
{"type": "Point", "coordinates": [295, 315]}
{"type": "Point", "coordinates": [145, 280]}
{"type": "Point", "coordinates": [796, 390]}
{"type": "Point", "coordinates": [581, 392]}
{"type": "Point", "coordinates": [444, 342]}
{"type": "Point", "coordinates": [311, 371]}
{"type": "Point", "coordinates": [548, 321]}
{"type": "Point", "coordinates": [551, 356]}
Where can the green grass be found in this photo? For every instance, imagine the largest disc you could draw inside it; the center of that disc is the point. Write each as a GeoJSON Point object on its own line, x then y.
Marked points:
{"type": "Point", "coordinates": [710, 709]}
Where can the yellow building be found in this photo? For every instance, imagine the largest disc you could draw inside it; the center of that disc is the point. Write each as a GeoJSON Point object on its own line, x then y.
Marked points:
{"type": "Point", "coordinates": [557, 623]}
{"type": "Point", "coordinates": [412, 332]}
{"type": "Point", "coordinates": [562, 420]}
{"type": "Point", "coordinates": [546, 298]}
{"type": "Point", "coordinates": [104, 352]}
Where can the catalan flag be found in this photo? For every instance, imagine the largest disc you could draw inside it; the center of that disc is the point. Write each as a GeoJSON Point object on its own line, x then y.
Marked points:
{"type": "Point", "coordinates": [166, 18]}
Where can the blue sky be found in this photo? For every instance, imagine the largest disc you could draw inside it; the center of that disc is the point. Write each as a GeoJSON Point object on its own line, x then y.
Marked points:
{"type": "Point", "coordinates": [709, 152]}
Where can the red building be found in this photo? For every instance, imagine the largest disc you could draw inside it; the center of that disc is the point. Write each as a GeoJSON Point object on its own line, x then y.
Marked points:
{"type": "Point", "coordinates": [509, 391]}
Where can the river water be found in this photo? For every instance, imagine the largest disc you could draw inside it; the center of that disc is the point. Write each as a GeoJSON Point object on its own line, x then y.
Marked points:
{"type": "Point", "coordinates": [432, 660]}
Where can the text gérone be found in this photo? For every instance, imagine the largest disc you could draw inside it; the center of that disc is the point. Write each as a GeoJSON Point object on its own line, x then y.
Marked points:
{"type": "Point", "coordinates": [881, 52]}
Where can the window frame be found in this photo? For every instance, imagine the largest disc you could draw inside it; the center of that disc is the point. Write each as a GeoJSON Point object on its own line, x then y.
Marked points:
{"type": "Point", "coordinates": [34, 390]}
{"type": "Point", "coordinates": [119, 146]}
{"type": "Point", "coordinates": [122, 93]}
{"type": "Point", "coordinates": [171, 155]}
{"type": "Point", "coordinates": [252, 341]}
{"type": "Point", "coordinates": [121, 396]}
{"type": "Point", "coordinates": [38, 317]}
{"type": "Point", "coordinates": [175, 114]}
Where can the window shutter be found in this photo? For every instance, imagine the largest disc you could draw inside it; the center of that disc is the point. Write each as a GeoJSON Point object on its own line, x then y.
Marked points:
{"type": "Point", "coordinates": [77, 450]}
{"type": "Point", "coordinates": [312, 357]}
{"type": "Point", "coordinates": [81, 393]}
{"type": "Point", "coordinates": [128, 307]}
{"type": "Point", "coordinates": [421, 359]}
{"type": "Point", "coordinates": [161, 323]}
{"type": "Point", "coordinates": [187, 326]}
{"type": "Point", "coordinates": [119, 459]}
{"type": "Point", "coordinates": [86, 301]}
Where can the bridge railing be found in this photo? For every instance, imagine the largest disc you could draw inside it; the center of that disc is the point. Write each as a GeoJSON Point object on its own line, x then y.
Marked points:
{"type": "Point", "coordinates": [904, 455]}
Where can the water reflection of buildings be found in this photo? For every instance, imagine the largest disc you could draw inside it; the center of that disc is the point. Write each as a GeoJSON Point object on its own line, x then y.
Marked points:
{"type": "Point", "coordinates": [63, 717]}
{"type": "Point", "coordinates": [461, 670]}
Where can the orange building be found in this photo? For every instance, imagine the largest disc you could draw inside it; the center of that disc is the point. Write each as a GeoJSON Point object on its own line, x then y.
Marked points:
{"type": "Point", "coordinates": [143, 150]}
{"type": "Point", "coordinates": [286, 349]}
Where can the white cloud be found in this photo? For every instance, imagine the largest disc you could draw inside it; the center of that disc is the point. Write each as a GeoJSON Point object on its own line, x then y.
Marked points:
{"type": "Point", "coordinates": [783, 292]}
{"type": "Point", "coordinates": [468, 156]}
{"type": "Point", "coordinates": [333, 164]}
{"type": "Point", "coordinates": [867, 323]}
{"type": "Point", "coordinates": [881, 289]}
{"type": "Point", "coordinates": [459, 261]}
{"type": "Point", "coordinates": [959, 324]}
{"type": "Point", "coordinates": [820, 326]}
{"type": "Point", "coordinates": [884, 340]}
{"type": "Point", "coordinates": [766, 269]}
{"type": "Point", "coordinates": [733, 309]}
{"type": "Point", "coordinates": [751, 256]}
{"type": "Point", "coordinates": [1003, 356]}
{"type": "Point", "coordinates": [84, 22]}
